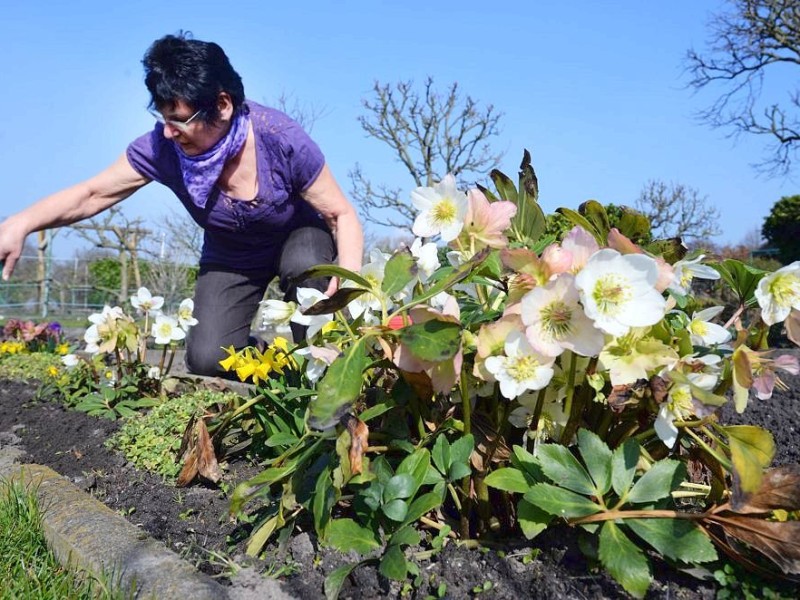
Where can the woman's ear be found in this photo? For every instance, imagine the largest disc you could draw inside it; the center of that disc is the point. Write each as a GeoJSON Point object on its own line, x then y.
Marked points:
{"type": "Point", "coordinates": [225, 106]}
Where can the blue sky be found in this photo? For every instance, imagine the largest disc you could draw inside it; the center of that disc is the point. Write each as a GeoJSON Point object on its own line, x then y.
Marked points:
{"type": "Point", "coordinates": [596, 91]}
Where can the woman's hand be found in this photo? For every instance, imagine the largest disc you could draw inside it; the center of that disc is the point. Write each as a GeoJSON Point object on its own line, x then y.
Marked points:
{"type": "Point", "coordinates": [12, 238]}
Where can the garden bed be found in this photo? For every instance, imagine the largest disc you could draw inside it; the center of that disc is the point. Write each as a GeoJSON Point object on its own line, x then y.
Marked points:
{"type": "Point", "coordinates": [194, 521]}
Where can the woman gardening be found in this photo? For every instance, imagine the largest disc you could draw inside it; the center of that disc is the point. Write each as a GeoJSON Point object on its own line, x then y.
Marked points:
{"type": "Point", "coordinates": [249, 175]}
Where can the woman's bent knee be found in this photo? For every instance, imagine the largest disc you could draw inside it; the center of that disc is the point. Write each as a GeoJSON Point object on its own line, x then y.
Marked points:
{"type": "Point", "coordinates": [203, 361]}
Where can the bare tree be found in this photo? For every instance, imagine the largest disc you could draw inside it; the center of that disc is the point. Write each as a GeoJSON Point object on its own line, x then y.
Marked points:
{"type": "Point", "coordinates": [677, 210]}
{"type": "Point", "coordinates": [431, 134]}
{"type": "Point", "coordinates": [304, 113]}
{"type": "Point", "coordinates": [114, 231]}
{"type": "Point", "coordinates": [750, 39]}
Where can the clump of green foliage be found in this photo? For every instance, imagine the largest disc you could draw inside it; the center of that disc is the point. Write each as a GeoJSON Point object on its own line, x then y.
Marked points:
{"type": "Point", "coordinates": [152, 441]}
{"type": "Point", "coordinates": [36, 365]}
{"type": "Point", "coordinates": [28, 569]}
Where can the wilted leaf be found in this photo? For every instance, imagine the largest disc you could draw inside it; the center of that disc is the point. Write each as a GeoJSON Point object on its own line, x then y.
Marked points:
{"type": "Point", "coordinates": [419, 382]}
{"type": "Point", "coordinates": [623, 559]}
{"type": "Point", "coordinates": [779, 542]}
{"type": "Point", "coordinates": [189, 469]}
{"type": "Point", "coordinates": [752, 450]}
{"type": "Point", "coordinates": [334, 581]}
{"type": "Point", "coordinates": [207, 465]}
{"type": "Point", "coordinates": [359, 440]}
{"type": "Point", "coordinates": [779, 490]}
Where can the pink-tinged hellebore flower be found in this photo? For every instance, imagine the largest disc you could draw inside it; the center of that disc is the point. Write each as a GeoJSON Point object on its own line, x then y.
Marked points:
{"type": "Point", "coordinates": [623, 245]}
{"type": "Point", "coordinates": [557, 258]}
{"type": "Point", "coordinates": [556, 322]}
{"type": "Point", "coordinates": [486, 221]}
{"type": "Point", "coordinates": [581, 245]}
{"type": "Point", "coordinates": [443, 209]}
{"type": "Point", "coordinates": [765, 378]}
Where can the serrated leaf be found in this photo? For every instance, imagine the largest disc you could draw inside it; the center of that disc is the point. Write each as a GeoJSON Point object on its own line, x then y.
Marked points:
{"type": "Point", "coordinates": [434, 340]}
{"type": "Point", "coordinates": [678, 539]}
{"type": "Point", "coordinates": [560, 465]}
{"type": "Point", "coordinates": [340, 386]}
{"type": "Point", "coordinates": [597, 456]}
{"type": "Point", "coordinates": [623, 466]}
{"type": "Point", "coordinates": [393, 564]}
{"type": "Point", "coordinates": [399, 271]}
{"type": "Point", "coordinates": [396, 510]}
{"type": "Point", "coordinates": [441, 453]}
{"type": "Point", "coordinates": [461, 449]}
{"type": "Point", "coordinates": [527, 463]}
{"type": "Point", "coordinates": [346, 535]}
{"type": "Point", "coordinates": [341, 298]}
{"type": "Point", "coordinates": [624, 560]}
{"type": "Point", "coordinates": [663, 477]}
{"type": "Point", "coordinates": [532, 519]}
{"type": "Point", "coordinates": [752, 450]}
{"type": "Point", "coordinates": [509, 479]}
{"type": "Point", "coordinates": [334, 271]}
{"type": "Point", "coordinates": [560, 502]}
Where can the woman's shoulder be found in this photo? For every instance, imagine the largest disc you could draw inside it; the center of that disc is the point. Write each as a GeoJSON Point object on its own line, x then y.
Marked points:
{"type": "Point", "coordinates": [273, 123]}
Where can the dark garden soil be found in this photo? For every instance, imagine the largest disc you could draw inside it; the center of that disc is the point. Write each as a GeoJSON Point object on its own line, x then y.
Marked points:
{"type": "Point", "coordinates": [194, 521]}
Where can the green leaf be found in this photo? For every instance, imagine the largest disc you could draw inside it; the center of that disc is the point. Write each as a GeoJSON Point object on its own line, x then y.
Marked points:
{"type": "Point", "coordinates": [441, 453]}
{"type": "Point", "coordinates": [425, 504]}
{"type": "Point", "coordinates": [399, 486]}
{"type": "Point", "coordinates": [597, 456]}
{"type": "Point", "coordinates": [752, 450]}
{"type": "Point", "coordinates": [742, 281]}
{"type": "Point", "coordinates": [527, 463]}
{"type": "Point", "coordinates": [581, 221]}
{"type": "Point", "coordinates": [461, 449]}
{"type": "Point", "coordinates": [340, 385]}
{"type": "Point", "coordinates": [416, 465]}
{"type": "Point", "coordinates": [560, 465]}
{"type": "Point", "coordinates": [333, 582]}
{"type": "Point", "coordinates": [596, 214]}
{"type": "Point", "coordinates": [346, 535]}
{"type": "Point", "coordinates": [334, 271]}
{"type": "Point", "coordinates": [456, 276]}
{"type": "Point", "coordinates": [532, 519]}
{"type": "Point", "coordinates": [529, 221]}
{"type": "Point", "coordinates": [458, 471]}
{"type": "Point", "coordinates": [560, 502]}
{"type": "Point", "coordinates": [396, 510]}
{"type": "Point", "coordinates": [663, 477]}
{"type": "Point", "coordinates": [377, 410]}
{"type": "Point", "coordinates": [678, 539]}
{"type": "Point", "coordinates": [623, 466]}
{"type": "Point", "coordinates": [405, 536]}
{"type": "Point", "coordinates": [433, 340]}
{"type": "Point", "coordinates": [281, 439]}
{"type": "Point", "coordinates": [505, 187]}
{"type": "Point", "coordinates": [633, 224]}
{"type": "Point", "coordinates": [324, 500]}
{"type": "Point", "coordinates": [400, 269]}
{"type": "Point", "coordinates": [624, 560]}
{"type": "Point", "coordinates": [393, 564]}
{"type": "Point", "coordinates": [262, 535]}
{"type": "Point", "coordinates": [341, 298]}
{"type": "Point", "coordinates": [509, 479]}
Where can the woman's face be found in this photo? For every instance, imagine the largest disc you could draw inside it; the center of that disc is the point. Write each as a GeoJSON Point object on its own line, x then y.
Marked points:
{"type": "Point", "coordinates": [183, 125]}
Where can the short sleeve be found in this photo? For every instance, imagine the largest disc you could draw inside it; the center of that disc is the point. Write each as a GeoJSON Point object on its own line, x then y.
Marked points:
{"type": "Point", "coordinates": [304, 158]}
{"type": "Point", "coordinates": [149, 157]}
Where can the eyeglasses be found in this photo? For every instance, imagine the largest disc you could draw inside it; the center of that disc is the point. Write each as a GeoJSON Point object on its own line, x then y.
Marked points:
{"type": "Point", "coordinates": [181, 125]}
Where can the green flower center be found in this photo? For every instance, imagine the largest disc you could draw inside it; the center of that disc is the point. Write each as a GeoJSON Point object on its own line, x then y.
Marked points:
{"type": "Point", "coordinates": [610, 292]}
{"type": "Point", "coordinates": [444, 211]}
{"type": "Point", "coordinates": [698, 327]}
{"type": "Point", "coordinates": [522, 368]}
{"type": "Point", "coordinates": [557, 319]}
{"type": "Point", "coordinates": [785, 289]}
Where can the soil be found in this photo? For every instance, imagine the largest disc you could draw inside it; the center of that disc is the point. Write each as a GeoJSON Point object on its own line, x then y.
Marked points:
{"type": "Point", "coordinates": [194, 521]}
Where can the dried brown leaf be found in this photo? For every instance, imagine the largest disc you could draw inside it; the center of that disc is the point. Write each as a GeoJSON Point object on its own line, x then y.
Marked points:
{"type": "Point", "coordinates": [207, 465]}
{"type": "Point", "coordinates": [777, 541]}
{"type": "Point", "coordinates": [628, 393]}
{"type": "Point", "coordinates": [420, 383]}
{"type": "Point", "coordinates": [189, 470]}
{"type": "Point", "coordinates": [658, 387]}
{"type": "Point", "coordinates": [488, 445]}
{"type": "Point", "coordinates": [359, 440]}
{"type": "Point", "coordinates": [780, 489]}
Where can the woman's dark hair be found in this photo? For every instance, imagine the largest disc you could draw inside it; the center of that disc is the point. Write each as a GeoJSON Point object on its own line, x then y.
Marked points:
{"type": "Point", "coordinates": [179, 68]}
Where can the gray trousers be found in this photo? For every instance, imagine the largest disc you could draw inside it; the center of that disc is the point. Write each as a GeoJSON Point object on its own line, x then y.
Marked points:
{"type": "Point", "coordinates": [226, 300]}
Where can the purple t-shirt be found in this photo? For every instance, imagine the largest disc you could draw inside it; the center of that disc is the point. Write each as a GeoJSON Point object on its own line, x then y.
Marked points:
{"type": "Point", "coordinates": [238, 234]}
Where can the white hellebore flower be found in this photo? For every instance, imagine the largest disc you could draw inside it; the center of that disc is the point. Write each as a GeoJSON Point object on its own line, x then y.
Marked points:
{"type": "Point", "coordinates": [678, 406]}
{"type": "Point", "coordinates": [704, 333]}
{"type": "Point", "coordinates": [618, 291]}
{"type": "Point", "coordinates": [556, 322]}
{"type": "Point", "coordinates": [154, 373]}
{"type": "Point", "coordinates": [778, 293]}
{"type": "Point", "coordinates": [145, 301]}
{"type": "Point", "coordinates": [318, 359]}
{"type": "Point", "coordinates": [373, 272]}
{"type": "Point", "coordinates": [108, 314]}
{"type": "Point", "coordinates": [307, 297]}
{"type": "Point", "coordinates": [92, 338]}
{"type": "Point", "coordinates": [443, 207]}
{"type": "Point", "coordinates": [166, 330]}
{"type": "Point", "coordinates": [186, 314]}
{"type": "Point", "coordinates": [277, 315]}
{"type": "Point", "coordinates": [686, 270]}
{"type": "Point", "coordinates": [427, 256]}
{"type": "Point", "coordinates": [70, 360]}
{"type": "Point", "coordinates": [522, 368]}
